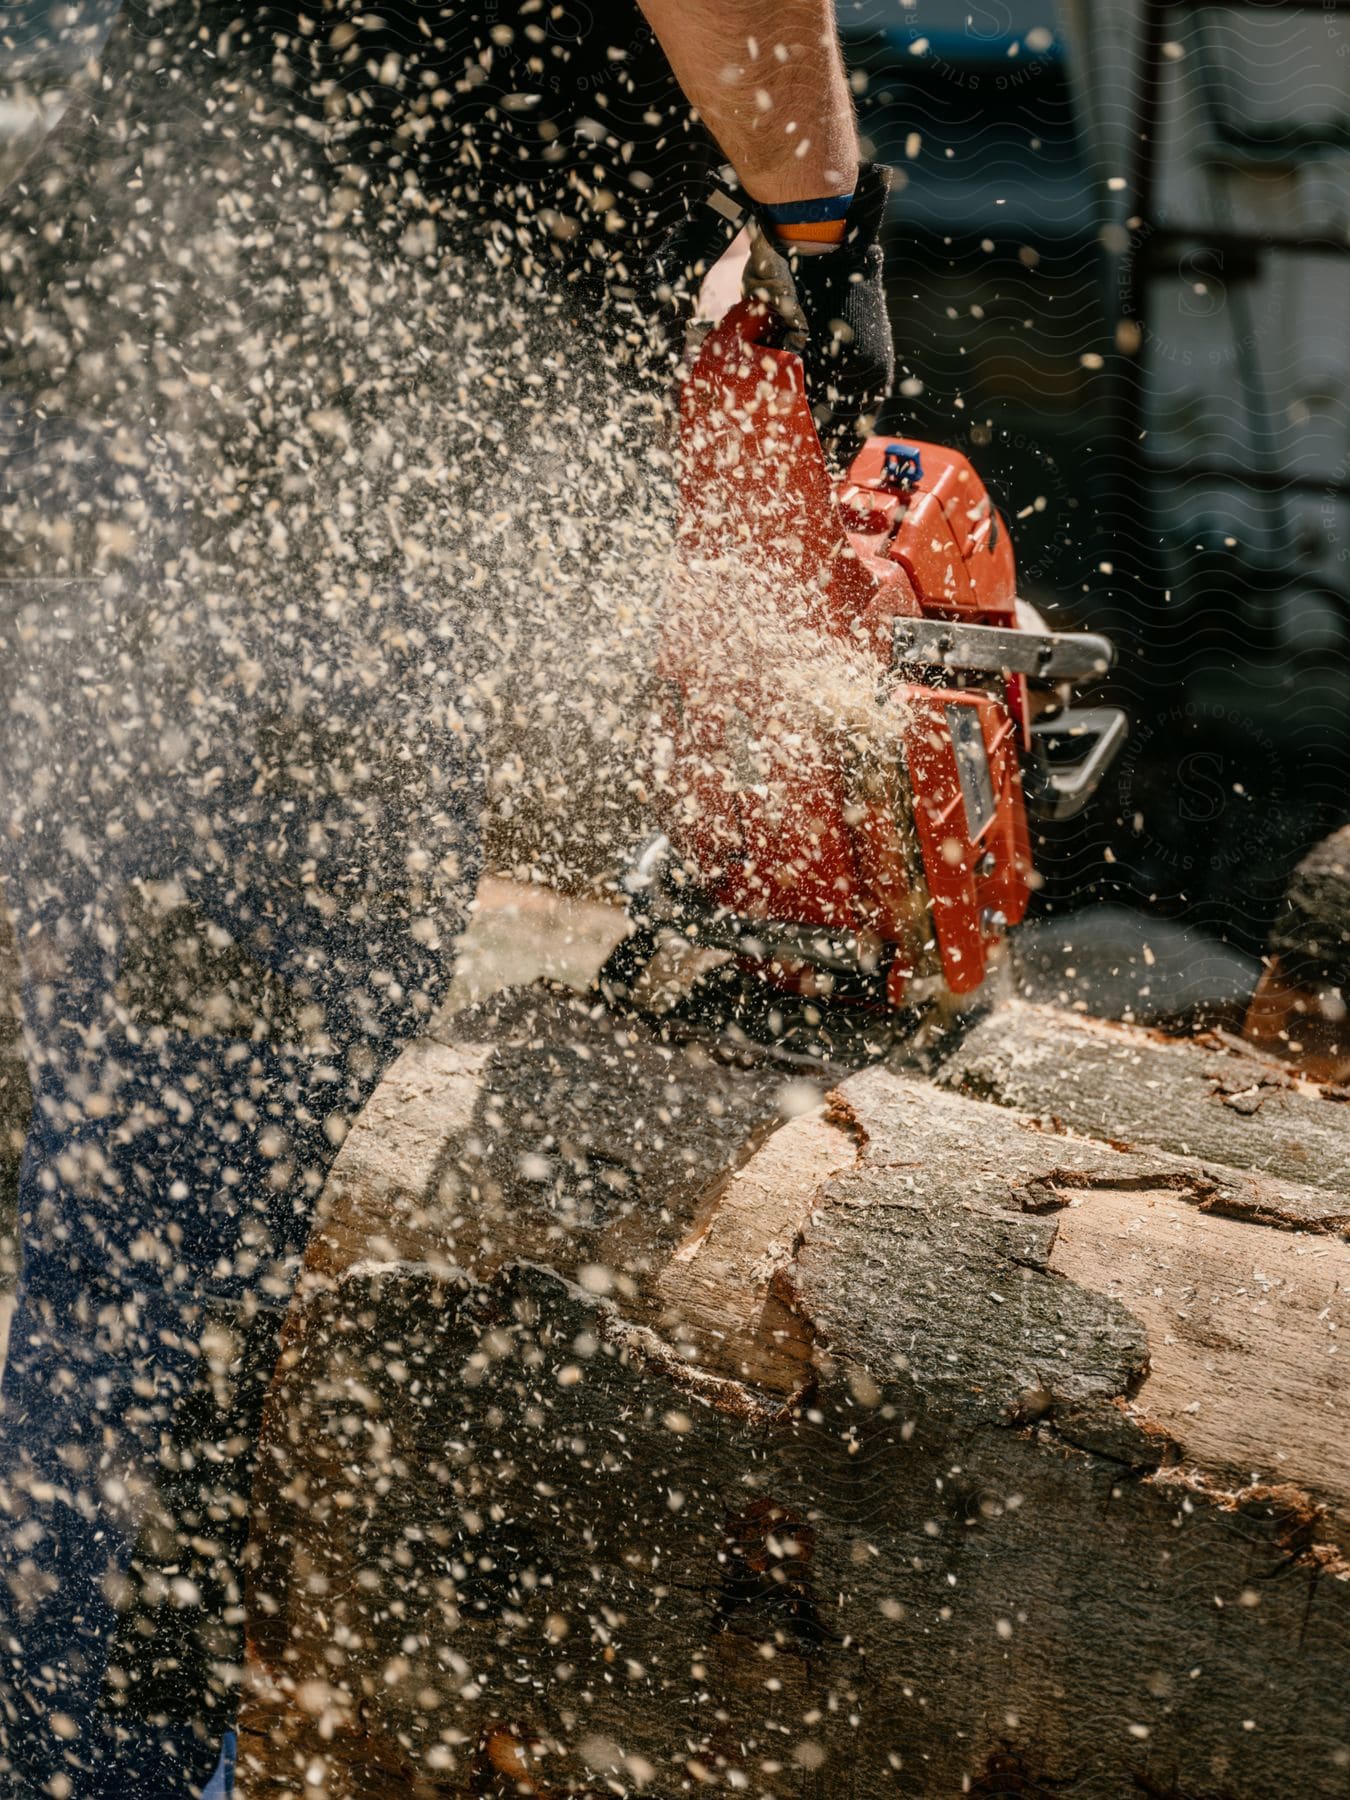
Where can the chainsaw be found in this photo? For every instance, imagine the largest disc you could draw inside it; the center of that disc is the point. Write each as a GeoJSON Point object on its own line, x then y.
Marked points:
{"type": "Point", "coordinates": [858, 712]}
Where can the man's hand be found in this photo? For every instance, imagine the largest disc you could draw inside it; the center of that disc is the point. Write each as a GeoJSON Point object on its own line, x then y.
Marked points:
{"type": "Point", "coordinates": [833, 302]}
{"type": "Point", "coordinates": [768, 79]}
{"type": "Point", "coordinates": [837, 299]}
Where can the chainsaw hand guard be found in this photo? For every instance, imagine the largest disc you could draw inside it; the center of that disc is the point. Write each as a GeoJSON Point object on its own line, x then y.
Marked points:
{"type": "Point", "coordinates": [666, 295]}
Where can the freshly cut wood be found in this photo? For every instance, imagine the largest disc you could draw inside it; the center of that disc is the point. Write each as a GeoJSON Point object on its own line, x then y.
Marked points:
{"type": "Point", "coordinates": [1236, 1327]}
{"type": "Point", "coordinates": [537, 1125]}
{"type": "Point", "coordinates": [1247, 1331]}
{"type": "Point", "coordinates": [894, 1444]}
{"type": "Point", "coordinates": [720, 1287]}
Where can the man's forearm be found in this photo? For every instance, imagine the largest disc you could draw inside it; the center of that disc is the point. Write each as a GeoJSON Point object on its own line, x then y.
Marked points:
{"type": "Point", "coordinates": [768, 80]}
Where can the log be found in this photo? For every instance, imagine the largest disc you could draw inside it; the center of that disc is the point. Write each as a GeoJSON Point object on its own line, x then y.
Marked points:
{"type": "Point", "coordinates": [537, 1126]}
{"type": "Point", "coordinates": [1206, 1097]}
{"type": "Point", "coordinates": [1299, 1008]}
{"type": "Point", "coordinates": [1311, 935]}
{"type": "Point", "coordinates": [649, 1422]}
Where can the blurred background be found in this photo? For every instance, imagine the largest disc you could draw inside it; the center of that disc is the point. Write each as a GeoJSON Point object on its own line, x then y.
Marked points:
{"type": "Point", "coordinates": [1120, 282]}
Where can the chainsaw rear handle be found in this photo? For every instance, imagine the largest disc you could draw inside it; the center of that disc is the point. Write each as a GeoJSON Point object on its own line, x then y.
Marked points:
{"type": "Point", "coordinates": [749, 320]}
{"type": "Point", "coordinates": [1061, 790]}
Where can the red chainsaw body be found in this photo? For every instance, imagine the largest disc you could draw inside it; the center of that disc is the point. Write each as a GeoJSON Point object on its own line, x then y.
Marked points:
{"type": "Point", "coordinates": [907, 835]}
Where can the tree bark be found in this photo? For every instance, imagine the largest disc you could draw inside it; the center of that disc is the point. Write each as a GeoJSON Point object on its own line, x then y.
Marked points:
{"type": "Point", "coordinates": [1311, 936]}
{"type": "Point", "coordinates": [1209, 1098]}
{"type": "Point", "coordinates": [1299, 1010]}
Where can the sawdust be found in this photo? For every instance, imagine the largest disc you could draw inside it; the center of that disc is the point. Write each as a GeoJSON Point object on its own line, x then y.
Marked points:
{"type": "Point", "coordinates": [357, 472]}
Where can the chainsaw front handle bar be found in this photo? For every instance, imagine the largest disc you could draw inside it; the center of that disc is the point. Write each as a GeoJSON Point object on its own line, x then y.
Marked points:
{"type": "Point", "coordinates": [1054, 790]}
{"type": "Point", "coordinates": [1059, 790]}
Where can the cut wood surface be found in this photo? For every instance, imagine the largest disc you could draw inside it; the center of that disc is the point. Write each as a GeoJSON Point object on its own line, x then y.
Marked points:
{"type": "Point", "coordinates": [1248, 1332]}
{"type": "Point", "coordinates": [538, 1126]}
{"type": "Point", "coordinates": [1225, 1333]}
{"type": "Point", "coordinates": [649, 1423]}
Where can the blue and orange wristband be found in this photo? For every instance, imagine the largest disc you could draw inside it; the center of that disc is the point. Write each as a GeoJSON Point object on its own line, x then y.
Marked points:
{"type": "Point", "coordinates": [821, 222]}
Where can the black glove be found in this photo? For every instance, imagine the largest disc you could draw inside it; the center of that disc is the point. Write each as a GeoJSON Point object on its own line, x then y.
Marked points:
{"type": "Point", "coordinates": [848, 353]}
{"type": "Point", "coordinates": [833, 302]}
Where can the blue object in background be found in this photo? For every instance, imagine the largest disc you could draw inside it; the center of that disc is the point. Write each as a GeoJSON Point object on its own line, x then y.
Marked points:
{"type": "Point", "coordinates": [221, 1784]}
